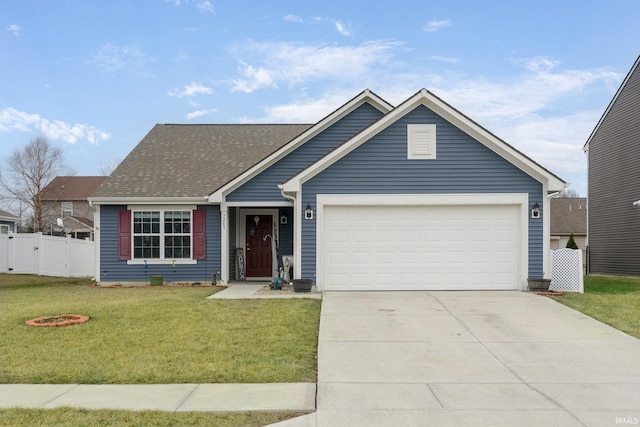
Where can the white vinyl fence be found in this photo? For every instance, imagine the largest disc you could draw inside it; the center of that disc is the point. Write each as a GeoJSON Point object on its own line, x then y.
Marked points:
{"type": "Point", "coordinates": [34, 253]}
{"type": "Point", "coordinates": [567, 270]}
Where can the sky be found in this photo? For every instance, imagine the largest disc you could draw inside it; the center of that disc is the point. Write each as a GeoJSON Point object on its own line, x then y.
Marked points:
{"type": "Point", "coordinates": [94, 77]}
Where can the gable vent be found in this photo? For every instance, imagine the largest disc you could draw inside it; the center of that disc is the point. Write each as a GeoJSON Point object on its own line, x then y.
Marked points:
{"type": "Point", "coordinates": [421, 142]}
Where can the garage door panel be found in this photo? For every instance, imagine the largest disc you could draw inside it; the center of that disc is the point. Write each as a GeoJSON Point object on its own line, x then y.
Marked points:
{"type": "Point", "coordinates": [421, 247]}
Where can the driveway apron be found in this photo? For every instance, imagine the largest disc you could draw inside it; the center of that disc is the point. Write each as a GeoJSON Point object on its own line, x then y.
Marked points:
{"type": "Point", "coordinates": [471, 359]}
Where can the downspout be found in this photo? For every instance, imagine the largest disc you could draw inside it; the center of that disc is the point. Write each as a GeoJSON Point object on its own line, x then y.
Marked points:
{"type": "Point", "coordinates": [546, 243]}
{"type": "Point", "coordinates": [224, 243]}
{"type": "Point", "coordinates": [96, 240]}
{"type": "Point", "coordinates": [297, 235]}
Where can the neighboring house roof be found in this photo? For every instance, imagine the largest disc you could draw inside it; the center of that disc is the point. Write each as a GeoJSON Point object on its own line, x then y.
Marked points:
{"type": "Point", "coordinates": [77, 224]}
{"type": "Point", "coordinates": [569, 215]}
{"type": "Point", "coordinates": [69, 188]}
{"type": "Point", "coordinates": [613, 101]}
{"type": "Point", "coordinates": [464, 123]}
{"type": "Point", "coordinates": [7, 216]}
{"type": "Point", "coordinates": [192, 161]}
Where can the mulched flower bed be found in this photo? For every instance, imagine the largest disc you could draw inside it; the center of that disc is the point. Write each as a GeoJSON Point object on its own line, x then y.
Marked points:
{"type": "Point", "coordinates": [60, 320]}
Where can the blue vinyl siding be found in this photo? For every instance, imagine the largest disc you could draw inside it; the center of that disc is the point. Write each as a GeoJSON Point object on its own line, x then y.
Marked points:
{"type": "Point", "coordinates": [380, 166]}
{"type": "Point", "coordinates": [114, 270]}
{"type": "Point", "coordinates": [264, 187]}
{"type": "Point", "coordinates": [286, 232]}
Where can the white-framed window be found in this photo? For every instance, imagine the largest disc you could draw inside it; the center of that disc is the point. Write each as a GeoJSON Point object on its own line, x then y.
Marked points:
{"type": "Point", "coordinates": [161, 234]}
{"type": "Point", "coordinates": [66, 209]}
{"type": "Point", "coordinates": [4, 229]}
{"type": "Point", "coordinates": [421, 141]}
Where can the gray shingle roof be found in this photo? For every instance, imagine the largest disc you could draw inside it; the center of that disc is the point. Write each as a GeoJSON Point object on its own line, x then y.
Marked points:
{"type": "Point", "coordinates": [569, 215]}
{"type": "Point", "coordinates": [8, 216]}
{"type": "Point", "coordinates": [194, 160]}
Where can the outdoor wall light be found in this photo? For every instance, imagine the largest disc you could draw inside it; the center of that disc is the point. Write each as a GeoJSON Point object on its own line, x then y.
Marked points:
{"type": "Point", "coordinates": [535, 212]}
{"type": "Point", "coordinates": [284, 219]}
{"type": "Point", "coordinates": [308, 212]}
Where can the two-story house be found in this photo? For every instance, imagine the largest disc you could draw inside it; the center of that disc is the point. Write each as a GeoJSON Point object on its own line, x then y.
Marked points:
{"type": "Point", "coordinates": [66, 198]}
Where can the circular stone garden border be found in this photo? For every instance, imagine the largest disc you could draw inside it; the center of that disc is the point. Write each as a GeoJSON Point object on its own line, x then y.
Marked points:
{"type": "Point", "coordinates": [59, 320]}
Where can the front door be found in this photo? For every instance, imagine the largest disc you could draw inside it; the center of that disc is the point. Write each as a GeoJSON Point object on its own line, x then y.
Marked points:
{"type": "Point", "coordinates": [259, 233]}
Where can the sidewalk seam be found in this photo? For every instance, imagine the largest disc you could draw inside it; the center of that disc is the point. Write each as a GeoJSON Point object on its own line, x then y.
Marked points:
{"type": "Point", "coordinates": [183, 401]}
{"type": "Point", "coordinates": [75, 386]}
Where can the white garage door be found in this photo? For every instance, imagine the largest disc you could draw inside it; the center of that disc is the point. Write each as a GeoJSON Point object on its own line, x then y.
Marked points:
{"type": "Point", "coordinates": [421, 247]}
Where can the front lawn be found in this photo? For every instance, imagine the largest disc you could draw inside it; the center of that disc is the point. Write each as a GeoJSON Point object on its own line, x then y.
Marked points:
{"type": "Point", "coordinates": [72, 417]}
{"type": "Point", "coordinates": [152, 335]}
{"type": "Point", "coordinates": [611, 299]}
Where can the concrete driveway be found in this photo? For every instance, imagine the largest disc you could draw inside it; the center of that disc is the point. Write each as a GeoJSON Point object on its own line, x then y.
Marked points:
{"type": "Point", "coordinates": [470, 359]}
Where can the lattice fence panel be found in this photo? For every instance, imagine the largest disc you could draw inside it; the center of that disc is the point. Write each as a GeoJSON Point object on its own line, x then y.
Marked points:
{"type": "Point", "coordinates": [566, 275]}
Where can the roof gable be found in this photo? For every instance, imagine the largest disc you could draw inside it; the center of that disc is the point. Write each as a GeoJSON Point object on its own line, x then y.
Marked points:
{"type": "Point", "coordinates": [634, 69]}
{"type": "Point", "coordinates": [363, 97]}
{"type": "Point", "coordinates": [462, 122]}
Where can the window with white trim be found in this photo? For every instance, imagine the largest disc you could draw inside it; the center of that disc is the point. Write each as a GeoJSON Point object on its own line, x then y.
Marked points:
{"type": "Point", "coordinates": [421, 141]}
{"type": "Point", "coordinates": [161, 234]}
{"type": "Point", "coordinates": [66, 209]}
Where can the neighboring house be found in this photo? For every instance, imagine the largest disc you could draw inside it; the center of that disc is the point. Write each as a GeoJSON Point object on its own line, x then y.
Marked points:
{"type": "Point", "coordinates": [9, 222]}
{"type": "Point", "coordinates": [66, 198]}
{"type": "Point", "coordinates": [614, 183]}
{"type": "Point", "coordinates": [371, 197]}
{"type": "Point", "coordinates": [569, 216]}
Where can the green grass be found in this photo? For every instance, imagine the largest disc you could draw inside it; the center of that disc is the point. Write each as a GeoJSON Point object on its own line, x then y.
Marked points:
{"type": "Point", "coordinates": [611, 299]}
{"type": "Point", "coordinates": [152, 335]}
{"type": "Point", "coordinates": [69, 417]}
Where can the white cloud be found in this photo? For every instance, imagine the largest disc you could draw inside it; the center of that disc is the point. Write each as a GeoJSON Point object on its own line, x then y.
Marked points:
{"type": "Point", "coordinates": [342, 28]}
{"type": "Point", "coordinates": [114, 58]}
{"type": "Point", "coordinates": [293, 18]}
{"type": "Point", "coordinates": [199, 113]}
{"type": "Point", "coordinates": [12, 119]}
{"type": "Point", "coordinates": [253, 79]}
{"type": "Point", "coordinates": [443, 59]}
{"type": "Point", "coordinates": [205, 6]}
{"type": "Point", "coordinates": [191, 89]}
{"type": "Point", "coordinates": [293, 63]}
{"type": "Point", "coordinates": [202, 5]}
{"type": "Point", "coordinates": [304, 110]}
{"type": "Point", "coordinates": [13, 28]}
{"type": "Point", "coordinates": [433, 26]}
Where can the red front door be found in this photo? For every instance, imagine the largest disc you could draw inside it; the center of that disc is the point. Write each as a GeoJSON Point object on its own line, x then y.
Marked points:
{"type": "Point", "coordinates": [259, 233]}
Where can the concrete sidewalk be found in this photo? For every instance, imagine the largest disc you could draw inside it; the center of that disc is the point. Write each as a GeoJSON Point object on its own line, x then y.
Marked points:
{"type": "Point", "coordinates": [163, 397]}
{"type": "Point", "coordinates": [250, 290]}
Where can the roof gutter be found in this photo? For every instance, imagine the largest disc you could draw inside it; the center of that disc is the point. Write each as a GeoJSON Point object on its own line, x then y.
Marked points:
{"type": "Point", "coordinates": [287, 195]}
{"type": "Point", "coordinates": [147, 200]}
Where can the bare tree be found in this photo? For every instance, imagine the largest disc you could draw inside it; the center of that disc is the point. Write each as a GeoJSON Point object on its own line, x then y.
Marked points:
{"type": "Point", "coordinates": [27, 172]}
{"type": "Point", "coordinates": [107, 168]}
{"type": "Point", "coordinates": [569, 193]}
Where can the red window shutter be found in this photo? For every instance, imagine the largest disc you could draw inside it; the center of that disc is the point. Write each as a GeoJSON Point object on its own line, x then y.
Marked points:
{"type": "Point", "coordinates": [198, 234]}
{"type": "Point", "coordinates": [124, 234]}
